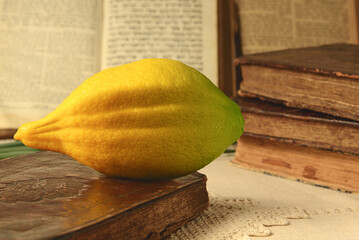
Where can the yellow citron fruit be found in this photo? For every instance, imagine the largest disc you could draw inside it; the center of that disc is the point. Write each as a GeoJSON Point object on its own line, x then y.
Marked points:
{"type": "Point", "coordinates": [150, 119]}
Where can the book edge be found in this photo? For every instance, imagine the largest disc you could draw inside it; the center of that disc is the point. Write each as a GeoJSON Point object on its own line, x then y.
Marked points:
{"type": "Point", "coordinates": [252, 59]}
{"type": "Point", "coordinates": [246, 165]}
{"type": "Point", "coordinates": [199, 184]}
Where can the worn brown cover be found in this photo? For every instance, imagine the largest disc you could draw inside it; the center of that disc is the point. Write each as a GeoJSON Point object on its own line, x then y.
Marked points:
{"type": "Point", "coordinates": [300, 126]}
{"type": "Point", "coordinates": [341, 60]}
{"type": "Point", "coordinates": [320, 167]}
{"type": "Point", "coordinates": [268, 108]}
{"type": "Point", "coordinates": [48, 195]}
{"type": "Point", "coordinates": [322, 79]}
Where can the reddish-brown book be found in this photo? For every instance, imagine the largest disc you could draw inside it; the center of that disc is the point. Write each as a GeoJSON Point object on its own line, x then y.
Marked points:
{"type": "Point", "coordinates": [311, 165]}
{"type": "Point", "coordinates": [300, 126]}
{"type": "Point", "coordinates": [48, 195]}
{"type": "Point", "coordinates": [323, 79]}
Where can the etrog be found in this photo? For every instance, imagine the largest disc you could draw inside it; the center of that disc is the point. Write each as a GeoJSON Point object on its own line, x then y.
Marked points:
{"type": "Point", "coordinates": [150, 119]}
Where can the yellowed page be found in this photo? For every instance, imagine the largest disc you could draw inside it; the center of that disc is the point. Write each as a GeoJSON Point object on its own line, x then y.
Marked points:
{"type": "Point", "coordinates": [280, 24]}
{"type": "Point", "coordinates": [176, 29]}
{"type": "Point", "coordinates": [47, 48]}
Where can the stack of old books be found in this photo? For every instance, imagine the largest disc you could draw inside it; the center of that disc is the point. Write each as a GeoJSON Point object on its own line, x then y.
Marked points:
{"type": "Point", "coordinates": [301, 109]}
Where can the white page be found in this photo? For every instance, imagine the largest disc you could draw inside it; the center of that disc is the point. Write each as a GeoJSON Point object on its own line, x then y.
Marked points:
{"type": "Point", "coordinates": [175, 29]}
{"type": "Point", "coordinates": [47, 48]}
{"type": "Point", "coordinates": [275, 25]}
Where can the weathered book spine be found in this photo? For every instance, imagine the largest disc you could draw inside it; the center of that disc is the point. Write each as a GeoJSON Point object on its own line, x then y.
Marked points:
{"type": "Point", "coordinates": [304, 127]}
{"type": "Point", "coordinates": [323, 79]}
{"type": "Point", "coordinates": [319, 167]}
{"type": "Point", "coordinates": [338, 60]}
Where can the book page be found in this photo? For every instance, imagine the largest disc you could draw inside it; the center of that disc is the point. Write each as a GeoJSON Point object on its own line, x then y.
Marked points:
{"type": "Point", "coordinates": [47, 48]}
{"type": "Point", "coordinates": [275, 25]}
{"type": "Point", "coordinates": [175, 29]}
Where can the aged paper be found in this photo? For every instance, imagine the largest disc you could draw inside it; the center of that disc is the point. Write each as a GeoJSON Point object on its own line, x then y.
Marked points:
{"type": "Point", "coordinates": [47, 48]}
{"type": "Point", "coordinates": [175, 29]}
{"type": "Point", "coordinates": [274, 25]}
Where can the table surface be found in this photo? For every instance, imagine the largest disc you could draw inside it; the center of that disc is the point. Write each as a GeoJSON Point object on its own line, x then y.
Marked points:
{"type": "Point", "coordinates": [330, 214]}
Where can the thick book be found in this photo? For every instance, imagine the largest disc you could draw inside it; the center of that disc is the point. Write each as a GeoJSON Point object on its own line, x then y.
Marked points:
{"type": "Point", "coordinates": [48, 195]}
{"type": "Point", "coordinates": [320, 167]}
{"type": "Point", "coordinates": [323, 79]}
{"type": "Point", "coordinates": [299, 126]}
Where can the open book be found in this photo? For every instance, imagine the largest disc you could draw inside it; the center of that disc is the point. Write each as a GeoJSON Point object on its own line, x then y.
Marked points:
{"type": "Point", "coordinates": [48, 48]}
{"type": "Point", "coordinates": [267, 26]}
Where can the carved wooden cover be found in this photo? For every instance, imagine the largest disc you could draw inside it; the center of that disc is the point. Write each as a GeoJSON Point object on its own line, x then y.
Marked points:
{"type": "Point", "coordinates": [46, 194]}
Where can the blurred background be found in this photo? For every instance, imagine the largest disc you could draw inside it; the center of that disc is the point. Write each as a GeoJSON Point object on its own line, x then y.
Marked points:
{"type": "Point", "coordinates": [49, 47]}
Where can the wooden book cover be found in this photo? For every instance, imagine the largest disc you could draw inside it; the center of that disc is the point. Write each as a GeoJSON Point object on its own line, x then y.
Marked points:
{"type": "Point", "coordinates": [319, 167]}
{"type": "Point", "coordinates": [323, 79]}
{"type": "Point", "coordinates": [48, 195]}
{"type": "Point", "coordinates": [303, 127]}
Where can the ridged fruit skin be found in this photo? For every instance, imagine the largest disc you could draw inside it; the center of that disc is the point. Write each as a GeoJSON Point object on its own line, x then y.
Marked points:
{"type": "Point", "coordinates": [150, 119]}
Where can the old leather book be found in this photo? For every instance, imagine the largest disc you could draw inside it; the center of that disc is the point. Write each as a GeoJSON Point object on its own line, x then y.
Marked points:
{"type": "Point", "coordinates": [323, 79]}
{"type": "Point", "coordinates": [320, 167]}
{"type": "Point", "coordinates": [48, 195]}
{"type": "Point", "coordinates": [300, 126]}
